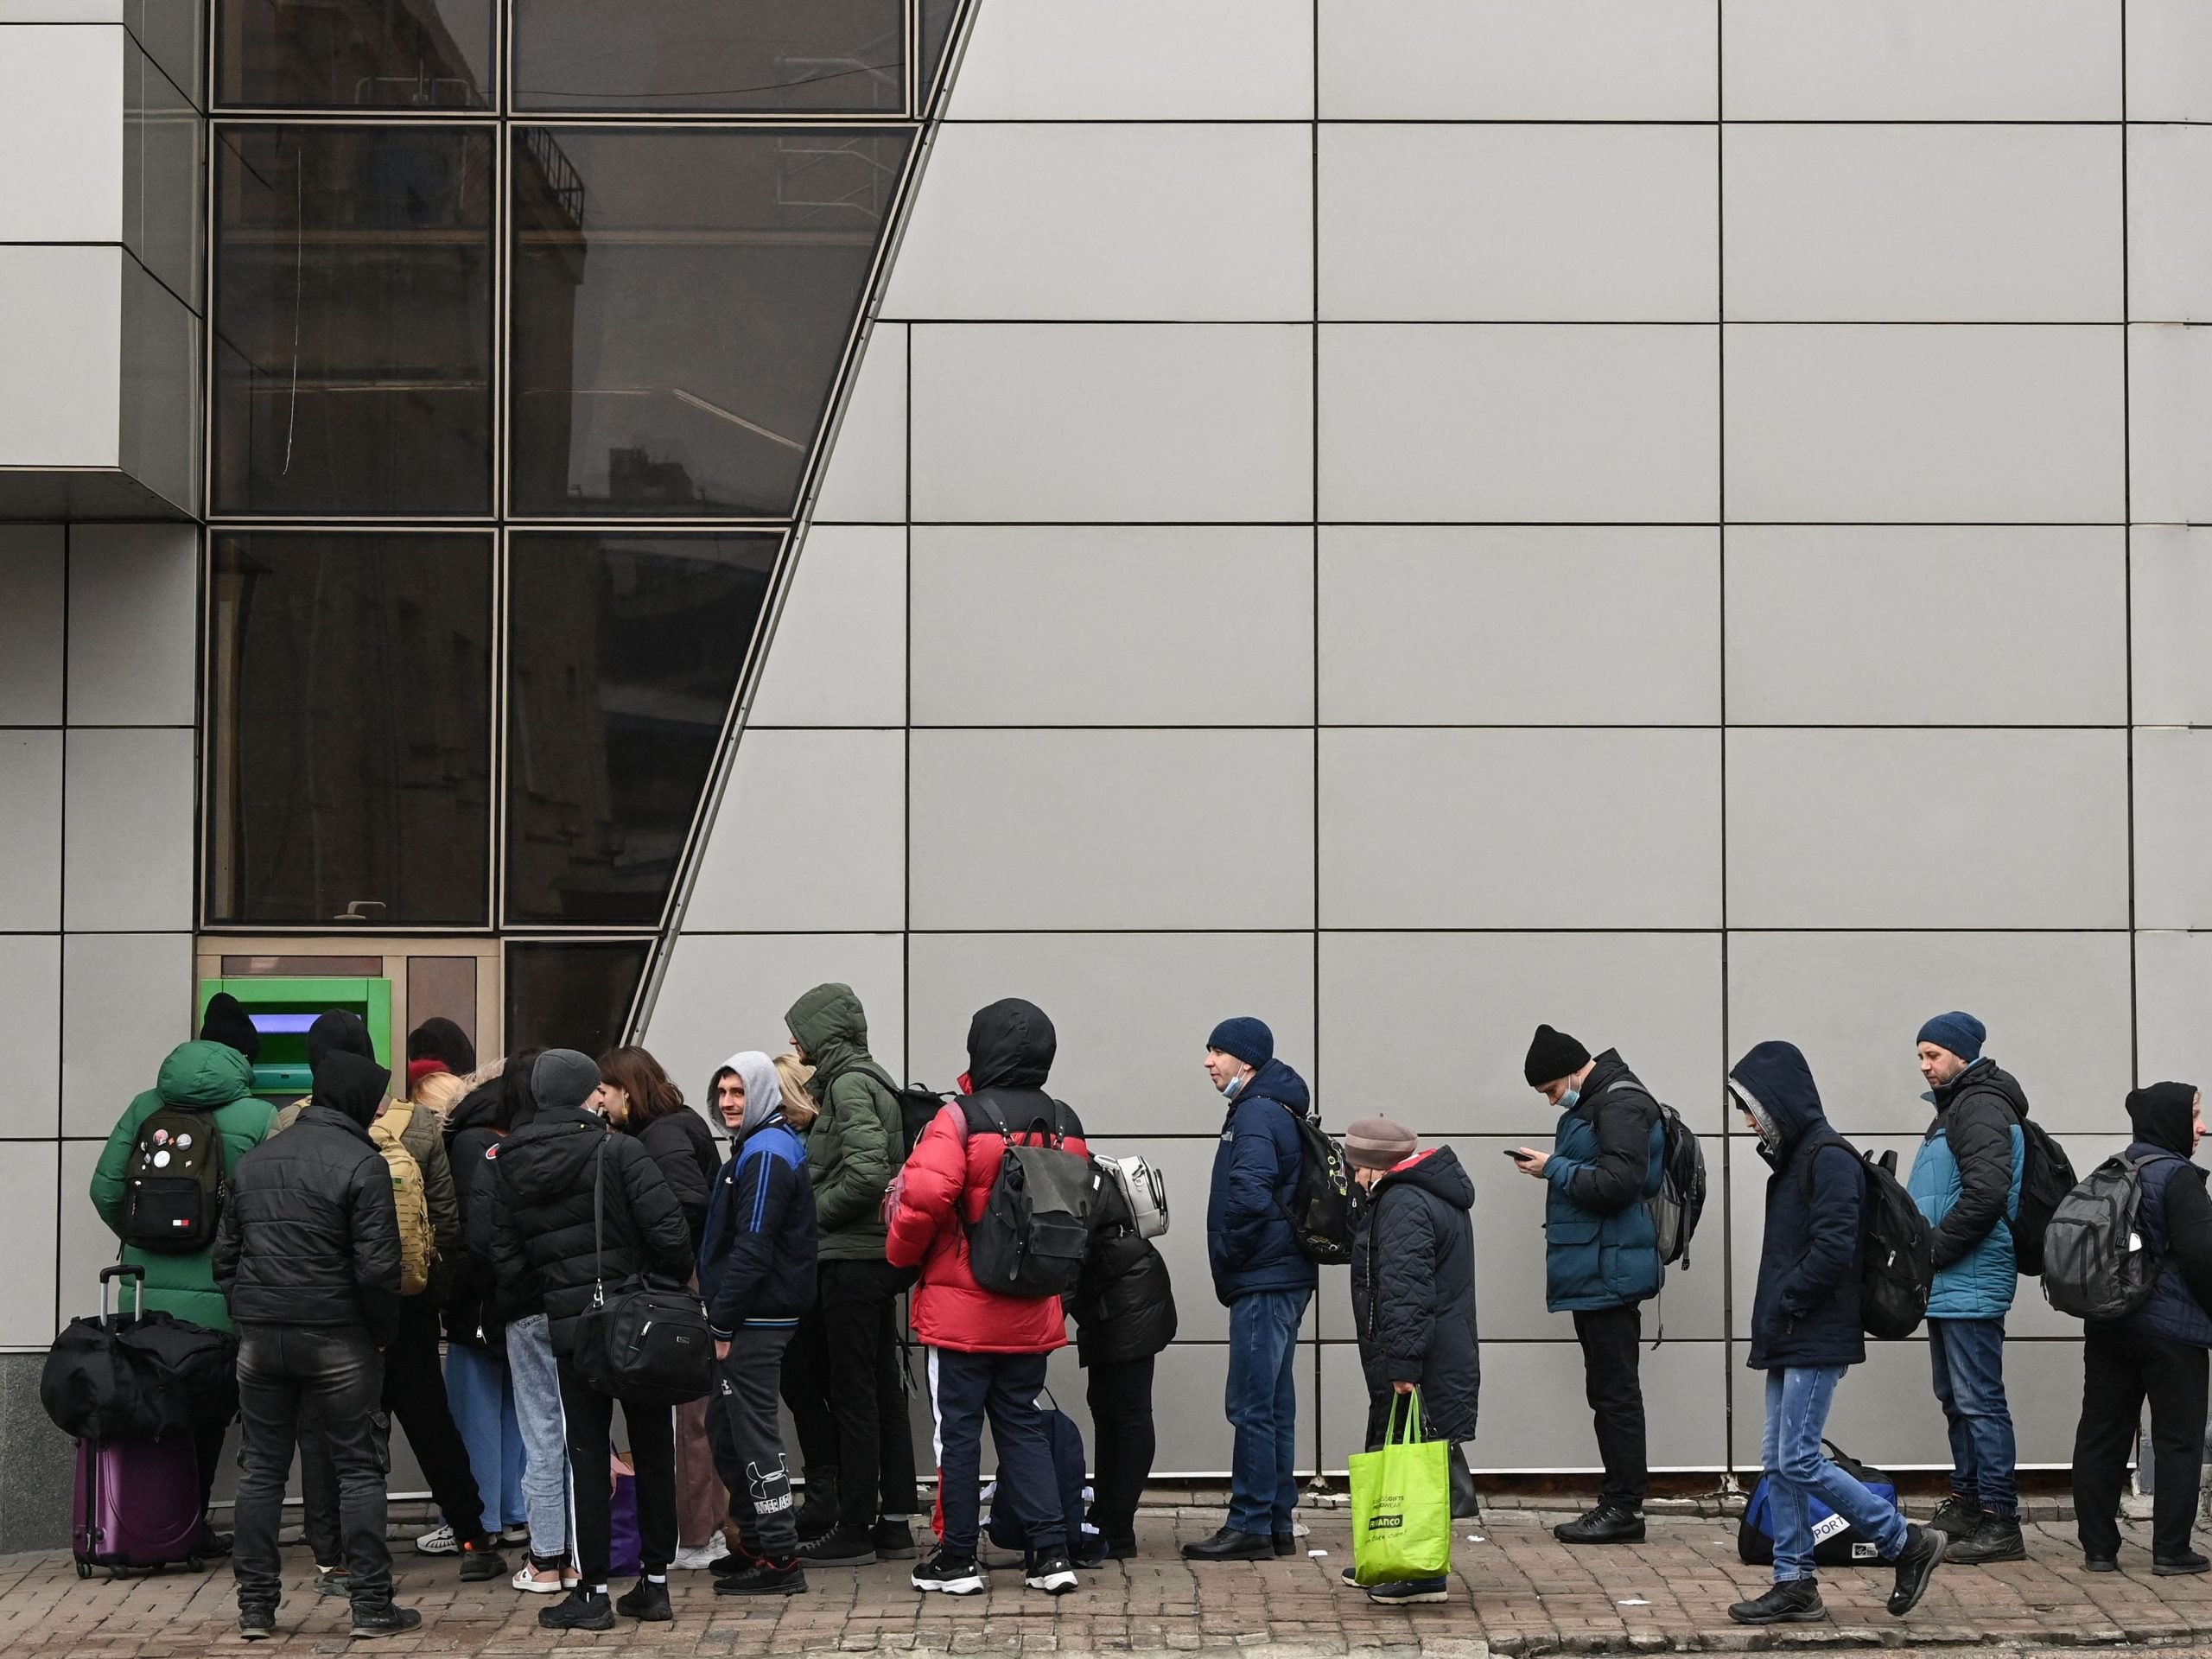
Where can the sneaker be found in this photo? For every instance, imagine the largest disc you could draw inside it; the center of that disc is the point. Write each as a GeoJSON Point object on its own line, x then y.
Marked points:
{"type": "Point", "coordinates": [257, 1626]}
{"type": "Point", "coordinates": [1608, 1523]}
{"type": "Point", "coordinates": [333, 1581]}
{"type": "Point", "coordinates": [1351, 1576]}
{"type": "Point", "coordinates": [2176, 1566]}
{"type": "Point", "coordinates": [387, 1620]}
{"type": "Point", "coordinates": [701, 1557]}
{"type": "Point", "coordinates": [582, 1611]}
{"type": "Point", "coordinates": [894, 1540]}
{"type": "Point", "coordinates": [1916, 1563]}
{"type": "Point", "coordinates": [956, 1575]}
{"type": "Point", "coordinates": [211, 1545]}
{"type": "Point", "coordinates": [1229, 1545]}
{"type": "Point", "coordinates": [738, 1562]}
{"type": "Point", "coordinates": [2099, 1563]}
{"type": "Point", "coordinates": [1118, 1549]}
{"type": "Point", "coordinates": [1412, 1590]}
{"type": "Point", "coordinates": [441, 1542]}
{"type": "Point", "coordinates": [537, 1580]}
{"type": "Point", "coordinates": [1795, 1601]}
{"type": "Point", "coordinates": [511, 1536]}
{"type": "Point", "coordinates": [1054, 1574]}
{"type": "Point", "coordinates": [480, 1561]}
{"type": "Point", "coordinates": [1955, 1516]}
{"type": "Point", "coordinates": [1997, 1538]}
{"type": "Point", "coordinates": [646, 1602]}
{"type": "Point", "coordinates": [764, 1578]}
{"type": "Point", "coordinates": [838, 1548]}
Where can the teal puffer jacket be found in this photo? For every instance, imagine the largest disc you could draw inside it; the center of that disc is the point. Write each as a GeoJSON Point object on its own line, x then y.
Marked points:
{"type": "Point", "coordinates": [1979, 1284]}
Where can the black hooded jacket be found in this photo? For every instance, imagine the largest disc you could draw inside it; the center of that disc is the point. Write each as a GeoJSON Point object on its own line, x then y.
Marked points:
{"type": "Point", "coordinates": [683, 1147]}
{"type": "Point", "coordinates": [472, 1128]}
{"type": "Point", "coordinates": [1124, 1304]}
{"type": "Point", "coordinates": [541, 1244]}
{"type": "Point", "coordinates": [227, 1022]}
{"type": "Point", "coordinates": [1806, 1309]}
{"type": "Point", "coordinates": [2177, 1216]}
{"type": "Point", "coordinates": [1413, 1290]}
{"type": "Point", "coordinates": [309, 1234]}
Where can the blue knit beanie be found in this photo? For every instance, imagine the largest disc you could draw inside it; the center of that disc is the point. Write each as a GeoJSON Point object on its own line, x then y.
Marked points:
{"type": "Point", "coordinates": [1960, 1032]}
{"type": "Point", "coordinates": [1246, 1038]}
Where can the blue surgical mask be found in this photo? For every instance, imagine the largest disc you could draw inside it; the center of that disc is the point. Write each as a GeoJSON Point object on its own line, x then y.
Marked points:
{"type": "Point", "coordinates": [1566, 1102]}
{"type": "Point", "coordinates": [1231, 1090]}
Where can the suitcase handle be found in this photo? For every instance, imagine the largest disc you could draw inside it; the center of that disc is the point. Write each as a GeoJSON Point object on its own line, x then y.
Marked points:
{"type": "Point", "coordinates": [126, 1269]}
{"type": "Point", "coordinates": [131, 1271]}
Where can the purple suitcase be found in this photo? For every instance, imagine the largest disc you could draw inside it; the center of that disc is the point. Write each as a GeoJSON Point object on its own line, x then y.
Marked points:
{"type": "Point", "coordinates": [137, 1502]}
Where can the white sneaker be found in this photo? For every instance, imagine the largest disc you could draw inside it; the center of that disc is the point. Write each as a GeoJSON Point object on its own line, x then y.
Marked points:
{"type": "Point", "coordinates": [441, 1542]}
{"type": "Point", "coordinates": [552, 1583]}
{"type": "Point", "coordinates": [699, 1558]}
{"type": "Point", "coordinates": [510, 1536]}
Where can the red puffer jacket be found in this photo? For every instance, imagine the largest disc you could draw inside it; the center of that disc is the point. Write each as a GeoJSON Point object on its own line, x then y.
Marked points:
{"type": "Point", "coordinates": [947, 1182]}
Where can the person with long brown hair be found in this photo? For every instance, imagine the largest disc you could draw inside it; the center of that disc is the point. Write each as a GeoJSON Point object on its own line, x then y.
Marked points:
{"type": "Point", "coordinates": [639, 1097]}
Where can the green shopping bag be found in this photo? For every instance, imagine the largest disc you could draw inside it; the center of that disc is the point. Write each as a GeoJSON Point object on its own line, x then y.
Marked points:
{"type": "Point", "coordinates": [1402, 1503]}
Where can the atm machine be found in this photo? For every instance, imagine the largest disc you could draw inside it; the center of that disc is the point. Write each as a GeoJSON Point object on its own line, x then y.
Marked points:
{"type": "Point", "coordinates": [282, 1008]}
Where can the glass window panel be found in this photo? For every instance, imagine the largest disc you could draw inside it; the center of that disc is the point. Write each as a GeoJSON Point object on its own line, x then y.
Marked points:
{"type": "Point", "coordinates": [571, 996]}
{"type": "Point", "coordinates": [349, 728]}
{"type": "Point", "coordinates": [936, 33]}
{"type": "Point", "coordinates": [409, 54]}
{"type": "Point", "coordinates": [812, 55]}
{"type": "Point", "coordinates": [683, 300]}
{"type": "Point", "coordinates": [623, 652]}
{"type": "Point", "coordinates": [354, 320]}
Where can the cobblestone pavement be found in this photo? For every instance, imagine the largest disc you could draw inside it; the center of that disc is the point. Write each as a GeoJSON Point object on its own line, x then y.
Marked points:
{"type": "Point", "coordinates": [1515, 1592]}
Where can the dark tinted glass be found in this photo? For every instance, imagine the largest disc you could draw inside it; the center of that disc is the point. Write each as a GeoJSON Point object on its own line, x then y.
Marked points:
{"type": "Point", "coordinates": [354, 320]}
{"type": "Point", "coordinates": [682, 301]}
{"type": "Point", "coordinates": [937, 34]}
{"type": "Point", "coordinates": [623, 652]}
{"type": "Point", "coordinates": [349, 728]}
{"type": "Point", "coordinates": [711, 54]}
{"type": "Point", "coordinates": [430, 55]}
{"type": "Point", "coordinates": [571, 996]}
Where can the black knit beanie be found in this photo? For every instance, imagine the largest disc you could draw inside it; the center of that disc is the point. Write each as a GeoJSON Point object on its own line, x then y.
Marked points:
{"type": "Point", "coordinates": [227, 1022]}
{"type": "Point", "coordinates": [1552, 1055]}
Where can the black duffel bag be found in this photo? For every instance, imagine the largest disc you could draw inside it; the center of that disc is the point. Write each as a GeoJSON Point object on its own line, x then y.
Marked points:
{"type": "Point", "coordinates": [110, 1377]}
{"type": "Point", "coordinates": [643, 1341]}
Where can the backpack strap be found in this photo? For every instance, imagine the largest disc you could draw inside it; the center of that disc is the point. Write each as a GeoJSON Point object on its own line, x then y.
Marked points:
{"type": "Point", "coordinates": [1812, 1156]}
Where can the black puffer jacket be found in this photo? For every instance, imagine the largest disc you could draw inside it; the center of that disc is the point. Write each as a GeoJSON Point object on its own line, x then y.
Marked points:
{"type": "Point", "coordinates": [1124, 1304]}
{"type": "Point", "coordinates": [683, 1147]}
{"type": "Point", "coordinates": [472, 1310]}
{"type": "Point", "coordinates": [542, 1246]}
{"type": "Point", "coordinates": [310, 1235]}
{"type": "Point", "coordinates": [1413, 1291]}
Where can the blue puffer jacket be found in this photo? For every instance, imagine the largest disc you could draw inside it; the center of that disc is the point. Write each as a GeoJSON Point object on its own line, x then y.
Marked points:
{"type": "Point", "coordinates": [1249, 1243]}
{"type": "Point", "coordinates": [1965, 1179]}
{"type": "Point", "coordinates": [1608, 1156]}
{"type": "Point", "coordinates": [1805, 1310]}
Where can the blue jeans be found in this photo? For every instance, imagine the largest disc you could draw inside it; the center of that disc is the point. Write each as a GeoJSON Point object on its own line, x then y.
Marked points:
{"type": "Point", "coordinates": [1262, 1407]}
{"type": "Point", "coordinates": [537, 1381]}
{"type": "Point", "coordinates": [1967, 1358]}
{"type": "Point", "coordinates": [482, 1396]}
{"type": "Point", "coordinates": [1797, 1401]}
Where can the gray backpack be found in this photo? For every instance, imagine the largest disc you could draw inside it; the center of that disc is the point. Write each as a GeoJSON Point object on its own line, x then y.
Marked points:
{"type": "Point", "coordinates": [1035, 1228]}
{"type": "Point", "coordinates": [2096, 1262]}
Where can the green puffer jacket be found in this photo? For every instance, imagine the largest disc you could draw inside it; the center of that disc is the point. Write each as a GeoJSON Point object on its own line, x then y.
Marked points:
{"type": "Point", "coordinates": [856, 1145]}
{"type": "Point", "coordinates": [197, 1077]}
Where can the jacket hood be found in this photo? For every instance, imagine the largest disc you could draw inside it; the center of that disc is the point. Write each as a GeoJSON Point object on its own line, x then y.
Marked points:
{"type": "Point", "coordinates": [347, 1083]}
{"type": "Point", "coordinates": [829, 1022]}
{"type": "Point", "coordinates": [227, 1022]}
{"type": "Point", "coordinates": [1276, 1081]}
{"type": "Point", "coordinates": [2164, 1115]}
{"type": "Point", "coordinates": [555, 1171]}
{"type": "Point", "coordinates": [200, 1076]}
{"type": "Point", "coordinates": [337, 1031]}
{"type": "Point", "coordinates": [764, 1090]}
{"type": "Point", "coordinates": [1775, 1076]}
{"type": "Point", "coordinates": [1438, 1171]}
{"type": "Point", "coordinates": [439, 1038]}
{"type": "Point", "coordinates": [479, 1108]}
{"type": "Point", "coordinates": [1010, 1045]}
{"type": "Point", "coordinates": [1983, 1073]}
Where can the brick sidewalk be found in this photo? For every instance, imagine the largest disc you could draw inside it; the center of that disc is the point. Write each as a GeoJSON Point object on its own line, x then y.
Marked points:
{"type": "Point", "coordinates": [1516, 1592]}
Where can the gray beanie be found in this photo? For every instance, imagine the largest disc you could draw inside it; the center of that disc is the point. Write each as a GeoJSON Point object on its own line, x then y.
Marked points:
{"type": "Point", "coordinates": [1377, 1143]}
{"type": "Point", "coordinates": [561, 1078]}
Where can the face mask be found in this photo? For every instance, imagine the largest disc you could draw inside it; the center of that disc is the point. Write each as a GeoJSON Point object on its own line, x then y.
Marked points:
{"type": "Point", "coordinates": [1567, 1100]}
{"type": "Point", "coordinates": [1230, 1090]}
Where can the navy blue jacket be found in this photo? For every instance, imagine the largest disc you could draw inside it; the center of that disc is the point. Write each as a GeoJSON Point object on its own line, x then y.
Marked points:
{"type": "Point", "coordinates": [2177, 1223]}
{"type": "Point", "coordinates": [1249, 1243]}
{"type": "Point", "coordinates": [757, 1255]}
{"type": "Point", "coordinates": [1806, 1309]}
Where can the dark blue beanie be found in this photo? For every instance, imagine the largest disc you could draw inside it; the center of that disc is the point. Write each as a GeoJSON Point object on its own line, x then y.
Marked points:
{"type": "Point", "coordinates": [1960, 1032]}
{"type": "Point", "coordinates": [1247, 1039]}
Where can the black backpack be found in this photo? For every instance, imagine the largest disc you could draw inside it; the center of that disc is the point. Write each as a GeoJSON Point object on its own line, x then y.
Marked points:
{"type": "Point", "coordinates": [1897, 1261]}
{"type": "Point", "coordinates": [2097, 1263]}
{"type": "Point", "coordinates": [1680, 1200]}
{"type": "Point", "coordinates": [173, 1186]}
{"type": "Point", "coordinates": [2046, 1176]}
{"type": "Point", "coordinates": [1035, 1228]}
{"type": "Point", "coordinates": [1324, 1206]}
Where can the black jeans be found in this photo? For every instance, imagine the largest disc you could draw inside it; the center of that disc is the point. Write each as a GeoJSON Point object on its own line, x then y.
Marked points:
{"type": "Point", "coordinates": [414, 1392]}
{"type": "Point", "coordinates": [806, 1391]}
{"type": "Point", "coordinates": [590, 1416]}
{"type": "Point", "coordinates": [875, 1443]}
{"type": "Point", "coordinates": [2120, 1367]}
{"type": "Point", "coordinates": [1004, 1387]}
{"type": "Point", "coordinates": [333, 1375]}
{"type": "Point", "coordinates": [748, 1437]}
{"type": "Point", "coordinates": [1123, 1443]}
{"type": "Point", "coordinates": [1611, 1339]}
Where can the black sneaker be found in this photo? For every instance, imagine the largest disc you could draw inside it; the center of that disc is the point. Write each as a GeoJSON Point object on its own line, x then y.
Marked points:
{"type": "Point", "coordinates": [839, 1548]}
{"type": "Point", "coordinates": [1230, 1545]}
{"type": "Point", "coordinates": [481, 1560]}
{"type": "Point", "coordinates": [894, 1541]}
{"type": "Point", "coordinates": [334, 1581]}
{"type": "Point", "coordinates": [211, 1545]}
{"type": "Point", "coordinates": [646, 1601]}
{"type": "Point", "coordinates": [1916, 1563]}
{"type": "Point", "coordinates": [2176, 1566]}
{"type": "Point", "coordinates": [1053, 1573]}
{"type": "Point", "coordinates": [580, 1609]}
{"type": "Point", "coordinates": [1608, 1523]}
{"type": "Point", "coordinates": [2099, 1563]}
{"type": "Point", "coordinates": [1410, 1593]}
{"type": "Point", "coordinates": [764, 1578]}
{"type": "Point", "coordinates": [1351, 1576]}
{"type": "Point", "coordinates": [955, 1576]}
{"type": "Point", "coordinates": [739, 1561]}
{"type": "Point", "coordinates": [1954, 1517]}
{"type": "Point", "coordinates": [257, 1625]}
{"type": "Point", "coordinates": [1797, 1601]}
{"type": "Point", "coordinates": [1286, 1543]}
{"type": "Point", "coordinates": [1997, 1538]}
{"type": "Point", "coordinates": [387, 1620]}
{"type": "Point", "coordinates": [1118, 1549]}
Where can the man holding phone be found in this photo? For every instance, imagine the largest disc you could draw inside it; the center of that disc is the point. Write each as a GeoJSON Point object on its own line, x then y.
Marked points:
{"type": "Point", "coordinates": [1601, 1253]}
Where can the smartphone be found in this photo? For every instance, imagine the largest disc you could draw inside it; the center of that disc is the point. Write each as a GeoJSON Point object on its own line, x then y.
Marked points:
{"type": "Point", "coordinates": [1514, 1154]}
